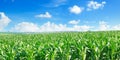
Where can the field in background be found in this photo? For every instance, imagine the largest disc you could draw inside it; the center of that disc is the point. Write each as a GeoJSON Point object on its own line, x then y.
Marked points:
{"type": "Point", "coordinates": [60, 46]}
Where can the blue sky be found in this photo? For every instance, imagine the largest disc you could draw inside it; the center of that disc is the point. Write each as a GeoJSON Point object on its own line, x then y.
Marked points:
{"type": "Point", "coordinates": [59, 15]}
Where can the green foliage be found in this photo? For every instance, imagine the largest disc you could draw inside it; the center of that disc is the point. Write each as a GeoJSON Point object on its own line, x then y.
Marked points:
{"type": "Point", "coordinates": [60, 46]}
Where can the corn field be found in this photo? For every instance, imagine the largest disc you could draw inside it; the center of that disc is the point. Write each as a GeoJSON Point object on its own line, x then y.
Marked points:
{"type": "Point", "coordinates": [104, 45]}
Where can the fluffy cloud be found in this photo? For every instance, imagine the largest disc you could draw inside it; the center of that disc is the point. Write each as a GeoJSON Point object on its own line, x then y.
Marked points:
{"type": "Point", "coordinates": [76, 9]}
{"type": "Point", "coordinates": [103, 26]}
{"type": "Point", "coordinates": [46, 15]}
{"type": "Point", "coordinates": [4, 21]}
{"type": "Point", "coordinates": [47, 27]}
{"type": "Point", "coordinates": [80, 28]}
{"type": "Point", "coordinates": [31, 27]}
{"type": "Point", "coordinates": [116, 27]}
{"type": "Point", "coordinates": [26, 27]}
{"type": "Point", "coordinates": [50, 27]}
{"type": "Point", "coordinates": [75, 22]}
{"type": "Point", "coordinates": [95, 5]}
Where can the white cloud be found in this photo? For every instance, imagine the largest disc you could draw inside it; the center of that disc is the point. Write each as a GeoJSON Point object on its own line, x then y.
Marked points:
{"type": "Point", "coordinates": [4, 21]}
{"type": "Point", "coordinates": [47, 27]}
{"type": "Point", "coordinates": [76, 9]}
{"type": "Point", "coordinates": [46, 15]}
{"type": "Point", "coordinates": [116, 27]}
{"type": "Point", "coordinates": [75, 22]}
{"type": "Point", "coordinates": [80, 28]}
{"type": "Point", "coordinates": [26, 27]}
{"type": "Point", "coordinates": [93, 5]}
{"type": "Point", "coordinates": [52, 27]}
{"type": "Point", "coordinates": [56, 3]}
{"type": "Point", "coordinates": [103, 26]}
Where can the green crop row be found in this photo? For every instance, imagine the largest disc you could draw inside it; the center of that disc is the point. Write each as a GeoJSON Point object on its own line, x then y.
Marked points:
{"type": "Point", "coordinates": [60, 46]}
